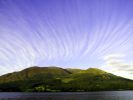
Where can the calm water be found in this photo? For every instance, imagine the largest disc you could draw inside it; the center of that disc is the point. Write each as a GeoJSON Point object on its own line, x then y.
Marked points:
{"type": "Point", "coordinates": [108, 95]}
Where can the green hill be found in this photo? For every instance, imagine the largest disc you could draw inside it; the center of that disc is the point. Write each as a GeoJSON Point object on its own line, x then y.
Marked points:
{"type": "Point", "coordinates": [40, 79]}
{"type": "Point", "coordinates": [94, 79]}
{"type": "Point", "coordinates": [33, 72]}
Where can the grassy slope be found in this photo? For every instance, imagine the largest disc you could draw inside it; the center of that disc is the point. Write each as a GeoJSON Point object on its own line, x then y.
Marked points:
{"type": "Point", "coordinates": [34, 71]}
{"type": "Point", "coordinates": [96, 79]}
{"type": "Point", "coordinates": [91, 79]}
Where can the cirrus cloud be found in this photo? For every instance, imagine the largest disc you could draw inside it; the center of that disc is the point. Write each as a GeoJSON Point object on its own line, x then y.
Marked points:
{"type": "Point", "coordinates": [116, 64]}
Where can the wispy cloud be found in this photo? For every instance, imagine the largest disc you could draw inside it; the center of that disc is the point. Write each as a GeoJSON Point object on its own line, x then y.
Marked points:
{"type": "Point", "coordinates": [65, 33]}
{"type": "Point", "coordinates": [115, 63]}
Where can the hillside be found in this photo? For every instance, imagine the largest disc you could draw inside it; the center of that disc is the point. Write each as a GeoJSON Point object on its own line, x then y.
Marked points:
{"type": "Point", "coordinates": [72, 70]}
{"type": "Point", "coordinates": [40, 79]}
{"type": "Point", "coordinates": [94, 79]}
{"type": "Point", "coordinates": [33, 72]}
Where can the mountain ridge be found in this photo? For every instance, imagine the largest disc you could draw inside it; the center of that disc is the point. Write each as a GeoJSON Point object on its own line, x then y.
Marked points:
{"type": "Point", "coordinates": [59, 79]}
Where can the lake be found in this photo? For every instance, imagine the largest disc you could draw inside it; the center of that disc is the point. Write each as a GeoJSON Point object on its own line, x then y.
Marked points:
{"type": "Point", "coordinates": [107, 95]}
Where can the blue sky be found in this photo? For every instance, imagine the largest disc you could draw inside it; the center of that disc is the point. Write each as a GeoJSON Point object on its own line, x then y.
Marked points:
{"type": "Point", "coordinates": [67, 33]}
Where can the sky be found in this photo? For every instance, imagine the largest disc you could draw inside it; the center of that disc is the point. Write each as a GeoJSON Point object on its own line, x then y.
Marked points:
{"type": "Point", "coordinates": [67, 34]}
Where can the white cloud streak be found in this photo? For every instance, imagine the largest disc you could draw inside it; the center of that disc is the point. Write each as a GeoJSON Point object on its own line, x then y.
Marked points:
{"type": "Point", "coordinates": [116, 64]}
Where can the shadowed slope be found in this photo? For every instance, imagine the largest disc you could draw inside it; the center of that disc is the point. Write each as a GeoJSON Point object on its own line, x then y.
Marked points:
{"type": "Point", "coordinates": [33, 71]}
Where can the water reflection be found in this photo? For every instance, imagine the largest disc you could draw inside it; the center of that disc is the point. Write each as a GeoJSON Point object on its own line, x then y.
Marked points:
{"type": "Point", "coordinates": [121, 95]}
